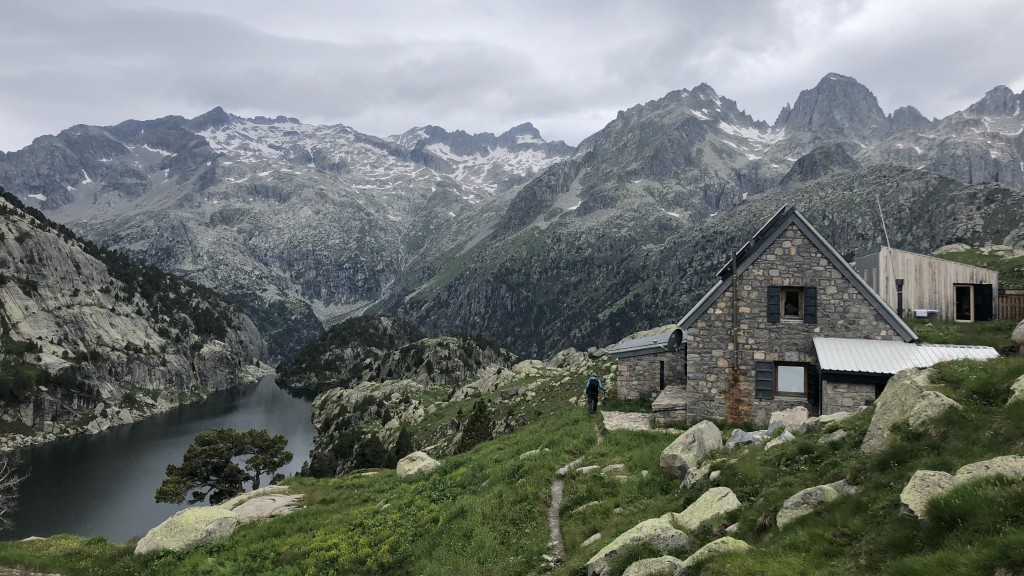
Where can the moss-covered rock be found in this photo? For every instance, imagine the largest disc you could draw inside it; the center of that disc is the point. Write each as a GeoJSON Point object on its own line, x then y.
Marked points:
{"type": "Point", "coordinates": [723, 545]}
{"type": "Point", "coordinates": [906, 398]}
{"type": "Point", "coordinates": [189, 527]}
{"type": "Point", "coordinates": [922, 487]}
{"type": "Point", "coordinates": [686, 451]}
{"type": "Point", "coordinates": [804, 502]}
{"type": "Point", "coordinates": [717, 501]}
{"type": "Point", "coordinates": [659, 566]}
{"type": "Point", "coordinates": [657, 533]}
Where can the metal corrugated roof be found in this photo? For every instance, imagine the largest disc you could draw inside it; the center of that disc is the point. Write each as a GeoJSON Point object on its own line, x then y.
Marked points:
{"type": "Point", "coordinates": [645, 345]}
{"type": "Point", "coordinates": [887, 357]}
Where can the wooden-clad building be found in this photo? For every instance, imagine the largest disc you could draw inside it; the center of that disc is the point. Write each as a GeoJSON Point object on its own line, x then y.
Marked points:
{"type": "Point", "coordinates": [931, 287]}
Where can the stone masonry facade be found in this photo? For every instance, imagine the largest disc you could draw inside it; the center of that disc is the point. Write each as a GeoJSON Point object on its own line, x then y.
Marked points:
{"type": "Point", "coordinates": [640, 376]}
{"type": "Point", "coordinates": [840, 397]}
{"type": "Point", "coordinates": [791, 260]}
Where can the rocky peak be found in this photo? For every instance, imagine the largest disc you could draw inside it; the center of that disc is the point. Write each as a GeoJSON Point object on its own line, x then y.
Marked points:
{"type": "Point", "coordinates": [212, 119]}
{"type": "Point", "coordinates": [524, 133]}
{"type": "Point", "coordinates": [908, 118]}
{"type": "Point", "coordinates": [999, 101]}
{"type": "Point", "coordinates": [838, 107]}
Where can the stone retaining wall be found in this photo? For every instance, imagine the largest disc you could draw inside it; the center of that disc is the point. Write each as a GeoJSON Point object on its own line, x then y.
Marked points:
{"type": "Point", "coordinates": [841, 397]}
{"type": "Point", "coordinates": [640, 376]}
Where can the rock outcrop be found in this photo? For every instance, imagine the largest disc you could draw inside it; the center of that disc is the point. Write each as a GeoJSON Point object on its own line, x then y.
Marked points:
{"type": "Point", "coordinates": [189, 527]}
{"type": "Point", "coordinates": [1017, 390]}
{"type": "Point", "coordinates": [97, 339]}
{"type": "Point", "coordinates": [686, 451]}
{"type": "Point", "coordinates": [416, 463]}
{"type": "Point", "coordinates": [723, 545]}
{"type": "Point", "coordinates": [804, 502]}
{"type": "Point", "coordinates": [714, 503]}
{"type": "Point", "coordinates": [927, 484]}
{"type": "Point", "coordinates": [660, 566]}
{"type": "Point", "coordinates": [657, 533]}
{"type": "Point", "coordinates": [906, 397]}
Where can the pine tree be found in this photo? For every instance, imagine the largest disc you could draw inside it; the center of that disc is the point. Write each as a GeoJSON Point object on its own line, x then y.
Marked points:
{"type": "Point", "coordinates": [479, 427]}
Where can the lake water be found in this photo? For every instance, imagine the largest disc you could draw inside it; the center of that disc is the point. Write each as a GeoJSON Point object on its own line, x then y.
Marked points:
{"type": "Point", "coordinates": [104, 484]}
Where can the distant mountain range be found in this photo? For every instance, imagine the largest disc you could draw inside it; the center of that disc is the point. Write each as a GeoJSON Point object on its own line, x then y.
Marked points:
{"type": "Point", "coordinates": [536, 244]}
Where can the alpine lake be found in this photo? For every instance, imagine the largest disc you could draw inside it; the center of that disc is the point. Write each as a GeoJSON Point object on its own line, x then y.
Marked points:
{"type": "Point", "coordinates": [104, 484]}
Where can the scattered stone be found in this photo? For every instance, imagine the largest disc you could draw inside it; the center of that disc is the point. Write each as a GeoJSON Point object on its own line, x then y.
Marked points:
{"type": "Point", "coordinates": [569, 467]}
{"type": "Point", "coordinates": [1009, 466]}
{"type": "Point", "coordinates": [585, 506]}
{"type": "Point", "coordinates": [660, 566]}
{"type": "Point", "coordinates": [833, 436]}
{"type": "Point", "coordinates": [732, 528]}
{"type": "Point", "coordinates": [739, 437]}
{"type": "Point", "coordinates": [715, 502]}
{"type": "Point", "coordinates": [1018, 334]}
{"type": "Point", "coordinates": [715, 475]}
{"type": "Point", "coordinates": [792, 419]}
{"type": "Point", "coordinates": [686, 450]}
{"type": "Point", "coordinates": [265, 507]}
{"type": "Point", "coordinates": [819, 422]}
{"type": "Point", "coordinates": [844, 487]}
{"type": "Point", "coordinates": [1018, 390]}
{"type": "Point", "coordinates": [596, 353]}
{"type": "Point", "coordinates": [237, 501]}
{"type": "Point", "coordinates": [416, 463]}
{"type": "Point", "coordinates": [804, 502]}
{"type": "Point", "coordinates": [189, 527]}
{"type": "Point", "coordinates": [591, 540]}
{"type": "Point", "coordinates": [906, 398]}
{"type": "Point", "coordinates": [509, 393]}
{"type": "Point", "coordinates": [584, 470]}
{"type": "Point", "coordinates": [613, 468]}
{"type": "Point", "coordinates": [656, 532]}
{"type": "Point", "coordinates": [695, 475]}
{"type": "Point", "coordinates": [922, 487]}
{"type": "Point", "coordinates": [786, 436]}
{"type": "Point", "coordinates": [529, 454]}
{"type": "Point", "coordinates": [723, 545]}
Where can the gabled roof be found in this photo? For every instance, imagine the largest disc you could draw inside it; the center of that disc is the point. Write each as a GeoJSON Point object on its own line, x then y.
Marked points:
{"type": "Point", "coordinates": [886, 357]}
{"type": "Point", "coordinates": [664, 342]}
{"type": "Point", "coordinates": [760, 242]}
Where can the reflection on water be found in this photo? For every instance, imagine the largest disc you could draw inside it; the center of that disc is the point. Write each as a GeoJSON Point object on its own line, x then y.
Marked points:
{"type": "Point", "coordinates": [104, 484]}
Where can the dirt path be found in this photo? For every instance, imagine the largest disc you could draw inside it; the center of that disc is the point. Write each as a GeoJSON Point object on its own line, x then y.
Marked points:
{"type": "Point", "coordinates": [554, 518]}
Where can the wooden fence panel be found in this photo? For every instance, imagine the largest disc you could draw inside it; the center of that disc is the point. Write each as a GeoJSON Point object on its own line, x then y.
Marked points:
{"type": "Point", "coordinates": [1011, 305]}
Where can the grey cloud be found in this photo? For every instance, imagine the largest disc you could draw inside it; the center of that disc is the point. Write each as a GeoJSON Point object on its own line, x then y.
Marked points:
{"type": "Point", "coordinates": [566, 66]}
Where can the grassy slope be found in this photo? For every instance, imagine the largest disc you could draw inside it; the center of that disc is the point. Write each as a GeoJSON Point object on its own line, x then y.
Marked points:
{"type": "Point", "coordinates": [484, 511]}
{"type": "Point", "coordinates": [1010, 268]}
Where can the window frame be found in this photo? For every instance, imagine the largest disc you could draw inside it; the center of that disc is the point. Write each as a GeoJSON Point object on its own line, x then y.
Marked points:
{"type": "Point", "coordinates": [799, 290]}
{"type": "Point", "coordinates": [775, 380]}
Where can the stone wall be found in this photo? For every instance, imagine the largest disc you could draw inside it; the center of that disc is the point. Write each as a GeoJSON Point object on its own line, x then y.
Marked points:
{"type": "Point", "coordinates": [842, 397]}
{"type": "Point", "coordinates": [791, 260]}
{"type": "Point", "coordinates": [640, 376]}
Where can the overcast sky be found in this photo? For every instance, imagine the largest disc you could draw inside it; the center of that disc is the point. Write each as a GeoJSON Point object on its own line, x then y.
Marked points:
{"type": "Point", "coordinates": [566, 65]}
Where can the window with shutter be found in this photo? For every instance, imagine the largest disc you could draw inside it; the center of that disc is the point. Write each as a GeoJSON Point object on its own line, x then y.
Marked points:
{"type": "Point", "coordinates": [764, 380]}
{"type": "Point", "coordinates": [810, 305]}
{"type": "Point", "coordinates": [773, 304]}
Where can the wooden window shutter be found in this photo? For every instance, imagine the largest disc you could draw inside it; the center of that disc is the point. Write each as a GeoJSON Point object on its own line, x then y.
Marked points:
{"type": "Point", "coordinates": [810, 305]}
{"type": "Point", "coordinates": [814, 389]}
{"type": "Point", "coordinates": [774, 296]}
{"type": "Point", "coordinates": [764, 380]}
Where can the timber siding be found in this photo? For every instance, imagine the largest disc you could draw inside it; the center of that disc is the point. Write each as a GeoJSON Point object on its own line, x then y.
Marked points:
{"type": "Point", "coordinates": [928, 281]}
{"type": "Point", "coordinates": [791, 259]}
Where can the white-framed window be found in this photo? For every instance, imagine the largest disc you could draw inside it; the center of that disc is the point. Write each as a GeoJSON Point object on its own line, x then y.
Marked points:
{"type": "Point", "coordinates": [791, 379]}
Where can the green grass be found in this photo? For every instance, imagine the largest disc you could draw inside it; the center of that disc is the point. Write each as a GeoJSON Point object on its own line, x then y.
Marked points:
{"type": "Point", "coordinates": [1011, 269]}
{"type": "Point", "coordinates": [485, 511]}
{"type": "Point", "coordinates": [994, 333]}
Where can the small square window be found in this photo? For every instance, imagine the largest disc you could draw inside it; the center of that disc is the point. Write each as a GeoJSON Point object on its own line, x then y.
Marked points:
{"type": "Point", "coordinates": [792, 302]}
{"type": "Point", "coordinates": [790, 379]}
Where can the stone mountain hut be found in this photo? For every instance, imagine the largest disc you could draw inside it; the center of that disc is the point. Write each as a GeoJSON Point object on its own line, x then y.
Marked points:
{"type": "Point", "coordinates": [755, 342]}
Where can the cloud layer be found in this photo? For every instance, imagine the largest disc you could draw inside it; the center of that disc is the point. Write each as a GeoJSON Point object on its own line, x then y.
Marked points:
{"type": "Point", "coordinates": [566, 66]}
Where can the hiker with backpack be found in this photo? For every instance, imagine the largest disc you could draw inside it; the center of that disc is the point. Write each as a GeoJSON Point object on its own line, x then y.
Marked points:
{"type": "Point", "coordinates": [593, 387]}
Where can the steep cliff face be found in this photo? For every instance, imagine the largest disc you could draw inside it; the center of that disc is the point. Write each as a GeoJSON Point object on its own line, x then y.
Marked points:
{"type": "Point", "coordinates": [91, 338]}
